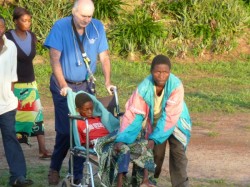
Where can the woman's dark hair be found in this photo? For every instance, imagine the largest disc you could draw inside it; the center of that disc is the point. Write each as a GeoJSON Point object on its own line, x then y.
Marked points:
{"type": "Point", "coordinates": [81, 99]}
{"type": "Point", "coordinates": [2, 18]}
{"type": "Point", "coordinates": [19, 12]}
{"type": "Point", "coordinates": [160, 59]}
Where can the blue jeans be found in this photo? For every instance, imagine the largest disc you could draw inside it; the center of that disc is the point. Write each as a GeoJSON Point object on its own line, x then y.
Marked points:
{"type": "Point", "coordinates": [62, 127]}
{"type": "Point", "coordinates": [12, 148]}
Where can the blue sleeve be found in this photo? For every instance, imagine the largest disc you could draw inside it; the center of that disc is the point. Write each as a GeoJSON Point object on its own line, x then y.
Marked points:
{"type": "Point", "coordinates": [159, 135]}
{"type": "Point", "coordinates": [130, 134]}
{"type": "Point", "coordinates": [103, 39]}
{"type": "Point", "coordinates": [54, 39]}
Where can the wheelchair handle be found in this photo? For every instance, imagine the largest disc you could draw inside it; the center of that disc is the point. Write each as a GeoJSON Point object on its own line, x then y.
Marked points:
{"type": "Point", "coordinates": [114, 90]}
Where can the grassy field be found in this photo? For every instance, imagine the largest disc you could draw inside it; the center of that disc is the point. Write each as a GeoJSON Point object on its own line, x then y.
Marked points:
{"type": "Point", "coordinates": [209, 86]}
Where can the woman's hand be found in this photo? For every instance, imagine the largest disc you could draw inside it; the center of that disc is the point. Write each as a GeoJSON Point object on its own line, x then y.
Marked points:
{"type": "Point", "coordinates": [151, 144]}
{"type": "Point", "coordinates": [118, 146]}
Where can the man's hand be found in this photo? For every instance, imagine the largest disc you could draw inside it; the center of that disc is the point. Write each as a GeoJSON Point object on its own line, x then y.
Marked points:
{"type": "Point", "coordinates": [64, 91]}
{"type": "Point", "coordinates": [118, 146]}
{"type": "Point", "coordinates": [151, 144]}
{"type": "Point", "coordinates": [110, 89]}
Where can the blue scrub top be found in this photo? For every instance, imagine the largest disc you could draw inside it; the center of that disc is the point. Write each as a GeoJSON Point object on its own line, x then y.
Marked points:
{"type": "Point", "coordinates": [61, 38]}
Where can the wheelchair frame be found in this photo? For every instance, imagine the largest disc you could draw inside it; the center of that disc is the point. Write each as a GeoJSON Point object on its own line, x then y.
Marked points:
{"type": "Point", "coordinates": [88, 175]}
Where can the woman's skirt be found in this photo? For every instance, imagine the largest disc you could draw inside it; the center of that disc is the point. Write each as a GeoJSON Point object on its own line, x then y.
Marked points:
{"type": "Point", "coordinates": [29, 117]}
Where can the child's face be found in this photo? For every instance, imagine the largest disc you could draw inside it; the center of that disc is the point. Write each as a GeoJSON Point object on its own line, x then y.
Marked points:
{"type": "Point", "coordinates": [86, 110]}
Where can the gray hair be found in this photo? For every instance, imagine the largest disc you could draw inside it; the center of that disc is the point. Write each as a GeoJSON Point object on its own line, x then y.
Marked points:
{"type": "Point", "coordinates": [75, 6]}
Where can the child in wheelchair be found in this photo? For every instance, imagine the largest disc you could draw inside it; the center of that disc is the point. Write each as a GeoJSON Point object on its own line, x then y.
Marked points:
{"type": "Point", "coordinates": [113, 157]}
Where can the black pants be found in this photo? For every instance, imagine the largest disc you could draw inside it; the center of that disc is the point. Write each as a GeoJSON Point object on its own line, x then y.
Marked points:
{"type": "Point", "coordinates": [62, 127]}
{"type": "Point", "coordinates": [177, 161]}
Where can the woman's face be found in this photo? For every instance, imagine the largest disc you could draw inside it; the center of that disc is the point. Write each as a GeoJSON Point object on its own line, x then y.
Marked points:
{"type": "Point", "coordinates": [160, 74]}
{"type": "Point", "coordinates": [23, 23]}
{"type": "Point", "coordinates": [86, 110]}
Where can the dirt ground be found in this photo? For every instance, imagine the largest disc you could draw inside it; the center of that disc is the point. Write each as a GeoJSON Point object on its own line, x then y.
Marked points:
{"type": "Point", "coordinates": [219, 150]}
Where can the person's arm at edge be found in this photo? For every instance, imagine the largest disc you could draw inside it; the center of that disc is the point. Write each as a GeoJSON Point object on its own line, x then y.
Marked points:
{"type": "Point", "coordinates": [131, 124]}
{"type": "Point", "coordinates": [14, 68]}
{"type": "Point", "coordinates": [106, 68]}
{"type": "Point", "coordinates": [56, 67]}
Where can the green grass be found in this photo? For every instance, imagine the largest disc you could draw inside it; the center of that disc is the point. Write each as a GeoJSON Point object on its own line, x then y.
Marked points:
{"type": "Point", "coordinates": [39, 175]}
{"type": "Point", "coordinates": [209, 87]}
{"type": "Point", "coordinates": [213, 134]}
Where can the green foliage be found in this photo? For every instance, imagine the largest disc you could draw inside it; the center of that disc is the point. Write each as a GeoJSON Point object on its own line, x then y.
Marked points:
{"type": "Point", "coordinates": [45, 13]}
{"type": "Point", "coordinates": [6, 12]}
{"type": "Point", "coordinates": [107, 9]}
{"type": "Point", "coordinates": [132, 31]}
{"type": "Point", "coordinates": [247, 1]}
{"type": "Point", "coordinates": [43, 72]}
{"type": "Point", "coordinates": [181, 28]}
{"type": "Point", "coordinates": [206, 25]}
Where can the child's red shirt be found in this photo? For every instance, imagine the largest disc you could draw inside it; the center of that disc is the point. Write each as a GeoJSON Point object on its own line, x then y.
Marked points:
{"type": "Point", "coordinates": [96, 129]}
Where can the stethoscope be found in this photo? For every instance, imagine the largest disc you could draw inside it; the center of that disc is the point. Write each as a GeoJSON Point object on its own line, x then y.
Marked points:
{"type": "Point", "coordinates": [91, 41]}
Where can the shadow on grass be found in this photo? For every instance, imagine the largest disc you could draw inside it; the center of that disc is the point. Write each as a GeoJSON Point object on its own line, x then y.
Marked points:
{"type": "Point", "coordinates": [206, 102]}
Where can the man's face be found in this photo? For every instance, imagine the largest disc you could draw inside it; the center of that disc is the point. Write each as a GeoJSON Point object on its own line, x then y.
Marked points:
{"type": "Point", "coordinates": [2, 28]}
{"type": "Point", "coordinates": [160, 74]}
{"type": "Point", "coordinates": [83, 15]}
{"type": "Point", "coordinates": [86, 110]}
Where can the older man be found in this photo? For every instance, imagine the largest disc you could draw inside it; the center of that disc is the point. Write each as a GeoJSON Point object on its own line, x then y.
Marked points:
{"type": "Point", "coordinates": [74, 43]}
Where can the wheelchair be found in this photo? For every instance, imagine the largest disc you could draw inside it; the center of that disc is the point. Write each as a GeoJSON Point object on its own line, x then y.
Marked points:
{"type": "Point", "coordinates": [106, 107]}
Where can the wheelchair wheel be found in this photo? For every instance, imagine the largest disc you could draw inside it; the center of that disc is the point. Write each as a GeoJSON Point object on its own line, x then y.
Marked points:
{"type": "Point", "coordinates": [66, 183]}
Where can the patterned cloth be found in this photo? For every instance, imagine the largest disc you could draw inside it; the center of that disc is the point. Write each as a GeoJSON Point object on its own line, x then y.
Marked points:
{"type": "Point", "coordinates": [29, 117]}
{"type": "Point", "coordinates": [110, 161]}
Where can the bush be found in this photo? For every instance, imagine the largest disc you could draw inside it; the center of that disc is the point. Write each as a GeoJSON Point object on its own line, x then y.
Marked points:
{"type": "Point", "coordinates": [173, 27]}
{"type": "Point", "coordinates": [107, 9]}
{"type": "Point", "coordinates": [132, 31]}
{"type": "Point", "coordinates": [206, 24]}
{"type": "Point", "coordinates": [44, 14]}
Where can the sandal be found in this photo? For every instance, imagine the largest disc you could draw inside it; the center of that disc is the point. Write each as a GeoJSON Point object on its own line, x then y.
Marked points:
{"type": "Point", "coordinates": [45, 156]}
{"type": "Point", "coordinates": [147, 185]}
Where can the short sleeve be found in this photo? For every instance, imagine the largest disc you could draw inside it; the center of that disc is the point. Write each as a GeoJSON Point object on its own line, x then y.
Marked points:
{"type": "Point", "coordinates": [55, 39]}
